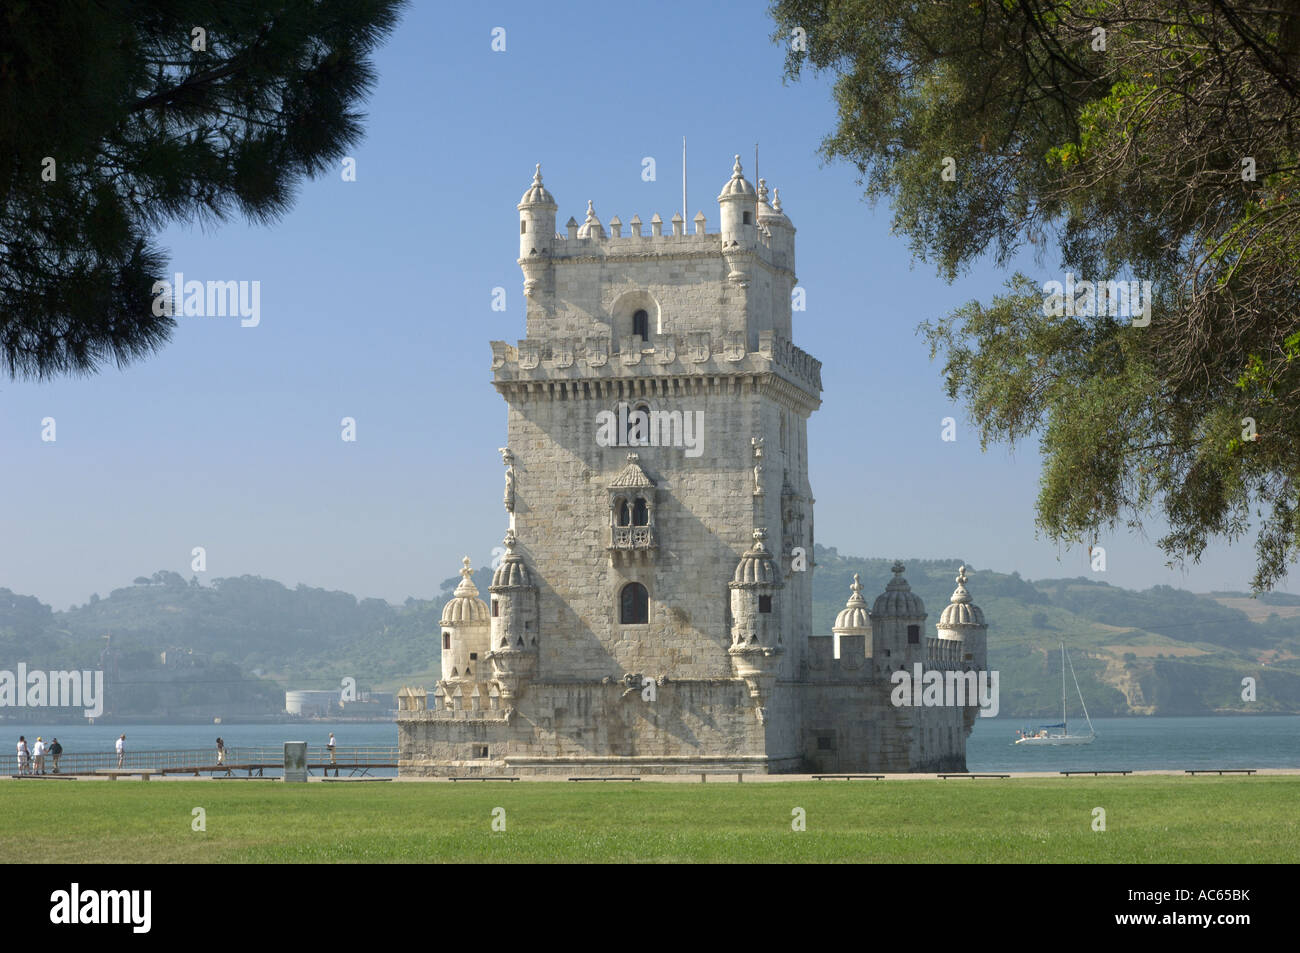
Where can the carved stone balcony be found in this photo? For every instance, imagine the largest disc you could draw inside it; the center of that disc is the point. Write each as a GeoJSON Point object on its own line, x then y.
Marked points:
{"type": "Point", "coordinates": [629, 544]}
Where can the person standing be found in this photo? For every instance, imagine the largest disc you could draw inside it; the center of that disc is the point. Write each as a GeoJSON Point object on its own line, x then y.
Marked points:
{"type": "Point", "coordinates": [22, 754]}
{"type": "Point", "coordinates": [56, 752]}
{"type": "Point", "coordinates": [38, 756]}
{"type": "Point", "coordinates": [330, 746]}
{"type": "Point", "coordinates": [221, 751]}
{"type": "Point", "coordinates": [121, 749]}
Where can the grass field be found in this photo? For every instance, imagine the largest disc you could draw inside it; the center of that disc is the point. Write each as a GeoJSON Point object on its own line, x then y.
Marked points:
{"type": "Point", "coordinates": [1153, 819]}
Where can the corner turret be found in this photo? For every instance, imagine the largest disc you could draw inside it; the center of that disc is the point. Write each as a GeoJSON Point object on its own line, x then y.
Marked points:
{"type": "Point", "coordinates": [536, 232]}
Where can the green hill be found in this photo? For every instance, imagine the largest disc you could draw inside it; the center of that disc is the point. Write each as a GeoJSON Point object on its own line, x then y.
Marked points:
{"type": "Point", "coordinates": [180, 646]}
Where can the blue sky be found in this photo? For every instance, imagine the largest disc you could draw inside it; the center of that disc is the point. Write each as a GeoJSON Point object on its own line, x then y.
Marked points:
{"type": "Point", "coordinates": [376, 304]}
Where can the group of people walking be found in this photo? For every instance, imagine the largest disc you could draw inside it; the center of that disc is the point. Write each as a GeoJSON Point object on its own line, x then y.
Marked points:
{"type": "Point", "coordinates": [31, 760]}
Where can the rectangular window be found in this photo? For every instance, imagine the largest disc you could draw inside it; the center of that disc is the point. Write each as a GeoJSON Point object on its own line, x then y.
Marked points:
{"type": "Point", "coordinates": [496, 609]}
{"type": "Point", "coordinates": [523, 228]}
{"type": "Point", "coordinates": [473, 656]}
{"type": "Point", "coordinates": [480, 751]}
{"type": "Point", "coordinates": [913, 635]}
{"type": "Point", "coordinates": [825, 742]}
{"type": "Point", "coordinates": [446, 640]}
{"type": "Point", "coordinates": [764, 603]}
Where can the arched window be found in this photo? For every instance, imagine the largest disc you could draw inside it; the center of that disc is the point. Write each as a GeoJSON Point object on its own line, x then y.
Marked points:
{"type": "Point", "coordinates": [641, 324]}
{"type": "Point", "coordinates": [634, 605]}
{"type": "Point", "coordinates": [640, 514]}
{"type": "Point", "coordinates": [623, 516]}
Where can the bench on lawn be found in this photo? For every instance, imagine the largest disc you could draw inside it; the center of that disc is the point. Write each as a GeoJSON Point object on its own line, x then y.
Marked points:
{"type": "Point", "coordinates": [1219, 771]}
{"type": "Point", "coordinates": [502, 778]}
{"type": "Point", "coordinates": [1094, 773]}
{"type": "Point", "coordinates": [114, 773]}
{"type": "Point", "coordinates": [605, 779]}
{"type": "Point", "coordinates": [973, 776]}
{"type": "Point", "coordinates": [848, 777]}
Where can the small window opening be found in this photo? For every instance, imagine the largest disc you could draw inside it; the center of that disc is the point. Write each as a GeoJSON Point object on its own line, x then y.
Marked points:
{"type": "Point", "coordinates": [764, 603]}
{"type": "Point", "coordinates": [640, 514]}
{"type": "Point", "coordinates": [913, 635]}
{"type": "Point", "coordinates": [641, 324]}
{"type": "Point", "coordinates": [446, 640]}
{"type": "Point", "coordinates": [496, 609]}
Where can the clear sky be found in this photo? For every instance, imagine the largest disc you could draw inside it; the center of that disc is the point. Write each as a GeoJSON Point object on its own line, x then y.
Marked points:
{"type": "Point", "coordinates": [376, 304]}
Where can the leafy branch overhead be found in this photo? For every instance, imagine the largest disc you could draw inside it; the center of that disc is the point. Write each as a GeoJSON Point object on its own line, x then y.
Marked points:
{"type": "Point", "coordinates": [1150, 140]}
{"type": "Point", "coordinates": [117, 120]}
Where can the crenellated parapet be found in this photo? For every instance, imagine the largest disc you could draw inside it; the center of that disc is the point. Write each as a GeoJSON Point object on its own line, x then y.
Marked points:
{"type": "Point", "coordinates": [599, 358]}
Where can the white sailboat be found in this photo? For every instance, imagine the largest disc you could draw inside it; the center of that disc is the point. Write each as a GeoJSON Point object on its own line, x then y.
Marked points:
{"type": "Point", "coordinates": [1060, 734]}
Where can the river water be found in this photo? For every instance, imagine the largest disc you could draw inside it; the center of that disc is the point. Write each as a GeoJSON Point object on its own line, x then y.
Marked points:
{"type": "Point", "coordinates": [1241, 741]}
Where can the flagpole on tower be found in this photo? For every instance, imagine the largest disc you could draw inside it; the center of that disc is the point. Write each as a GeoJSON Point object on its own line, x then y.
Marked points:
{"type": "Point", "coordinates": [684, 214]}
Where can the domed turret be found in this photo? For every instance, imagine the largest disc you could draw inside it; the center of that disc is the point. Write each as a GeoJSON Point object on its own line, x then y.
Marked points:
{"type": "Point", "coordinates": [514, 623]}
{"type": "Point", "coordinates": [898, 599]}
{"type": "Point", "coordinates": [465, 631]}
{"type": "Point", "coordinates": [896, 620]}
{"type": "Point", "coordinates": [739, 210]}
{"type": "Point", "coordinates": [465, 605]}
{"type": "Point", "coordinates": [756, 648]}
{"type": "Point", "coordinates": [536, 232]}
{"type": "Point", "coordinates": [756, 566]}
{"type": "Point", "coordinates": [960, 610]}
{"type": "Point", "coordinates": [962, 621]}
{"type": "Point", "coordinates": [852, 629]}
{"type": "Point", "coordinates": [854, 617]}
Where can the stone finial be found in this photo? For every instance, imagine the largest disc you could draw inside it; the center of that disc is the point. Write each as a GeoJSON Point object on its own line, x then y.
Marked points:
{"type": "Point", "coordinates": [699, 223]}
{"type": "Point", "coordinates": [635, 225]}
{"type": "Point", "coordinates": [509, 540]}
{"type": "Point", "coordinates": [656, 224]}
{"type": "Point", "coordinates": [857, 585]}
{"type": "Point", "coordinates": [776, 199]}
{"type": "Point", "coordinates": [633, 457]}
{"type": "Point", "coordinates": [736, 171]}
{"type": "Point", "coordinates": [465, 571]}
{"type": "Point", "coordinates": [537, 174]}
{"type": "Point", "coordinates": [762, 191]}
{"type": "Point", "coordinates": [679, 224]}
{"type": "Point", "coordinates": [898, 568]}
{"type": "Point", "coordinates": [616, 227]}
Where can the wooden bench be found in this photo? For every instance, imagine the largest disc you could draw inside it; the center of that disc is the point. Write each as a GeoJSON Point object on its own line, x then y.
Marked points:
{"type": "Point", "coordinates": [605, 779]}
{"type": "Point", "coordinates": [502, 778]}
{"type": "Point", "coordinates": [973, 776]}
{"type": "Point", "coordinates": [848, 777]}
{"type": "Point", "coordinates": [1219, 771]}
{"type": "Point", "coordinates": [114, 773]}
{"type": "Point", "coordinates": [43, 777]}
{"type": "Point", "coordinates": [1094, 773]}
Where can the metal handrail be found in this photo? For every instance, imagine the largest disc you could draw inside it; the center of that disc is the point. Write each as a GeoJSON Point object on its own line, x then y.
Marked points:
{"type": "Point", "coordinates": [90, 762]}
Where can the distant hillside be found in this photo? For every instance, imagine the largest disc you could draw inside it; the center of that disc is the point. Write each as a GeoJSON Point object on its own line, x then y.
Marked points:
{"type": "Point", "coordinates": [239, 642]}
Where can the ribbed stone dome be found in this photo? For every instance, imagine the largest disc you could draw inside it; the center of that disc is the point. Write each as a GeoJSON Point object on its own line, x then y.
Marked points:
{"type": "Point", "coordinates": [537, 193]}
{"type": "Point", "coordinates": [898, 600]}
{"type": "Point", "coordinates": [737, 185]}
{"type": "Point", "coordinates": [961, 611]}
{"type": "Point", "coordinates": [756, 566]}
{"type": "Point", "coordinates": [512, 573]}
{"type": "Point", "coordinates": [854, 615]}
{"type": "Point", "coordinates": [465, 605]}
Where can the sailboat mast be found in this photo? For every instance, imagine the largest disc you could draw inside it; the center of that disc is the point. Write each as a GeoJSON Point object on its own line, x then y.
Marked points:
{"type": "Point", "coordinates": [1064, 723]}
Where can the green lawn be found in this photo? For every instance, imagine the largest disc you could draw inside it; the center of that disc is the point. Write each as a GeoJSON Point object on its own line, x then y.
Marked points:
{"type": "Point", "coordinates": [1148, 820]}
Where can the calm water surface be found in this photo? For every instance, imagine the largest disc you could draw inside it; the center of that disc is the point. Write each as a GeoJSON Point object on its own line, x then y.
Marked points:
{"type": "Point", "coordinates": [1243, 741]}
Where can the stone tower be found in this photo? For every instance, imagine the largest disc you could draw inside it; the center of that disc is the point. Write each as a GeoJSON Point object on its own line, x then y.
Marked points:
{"type": "Point", "coordinates": [653, 610]}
